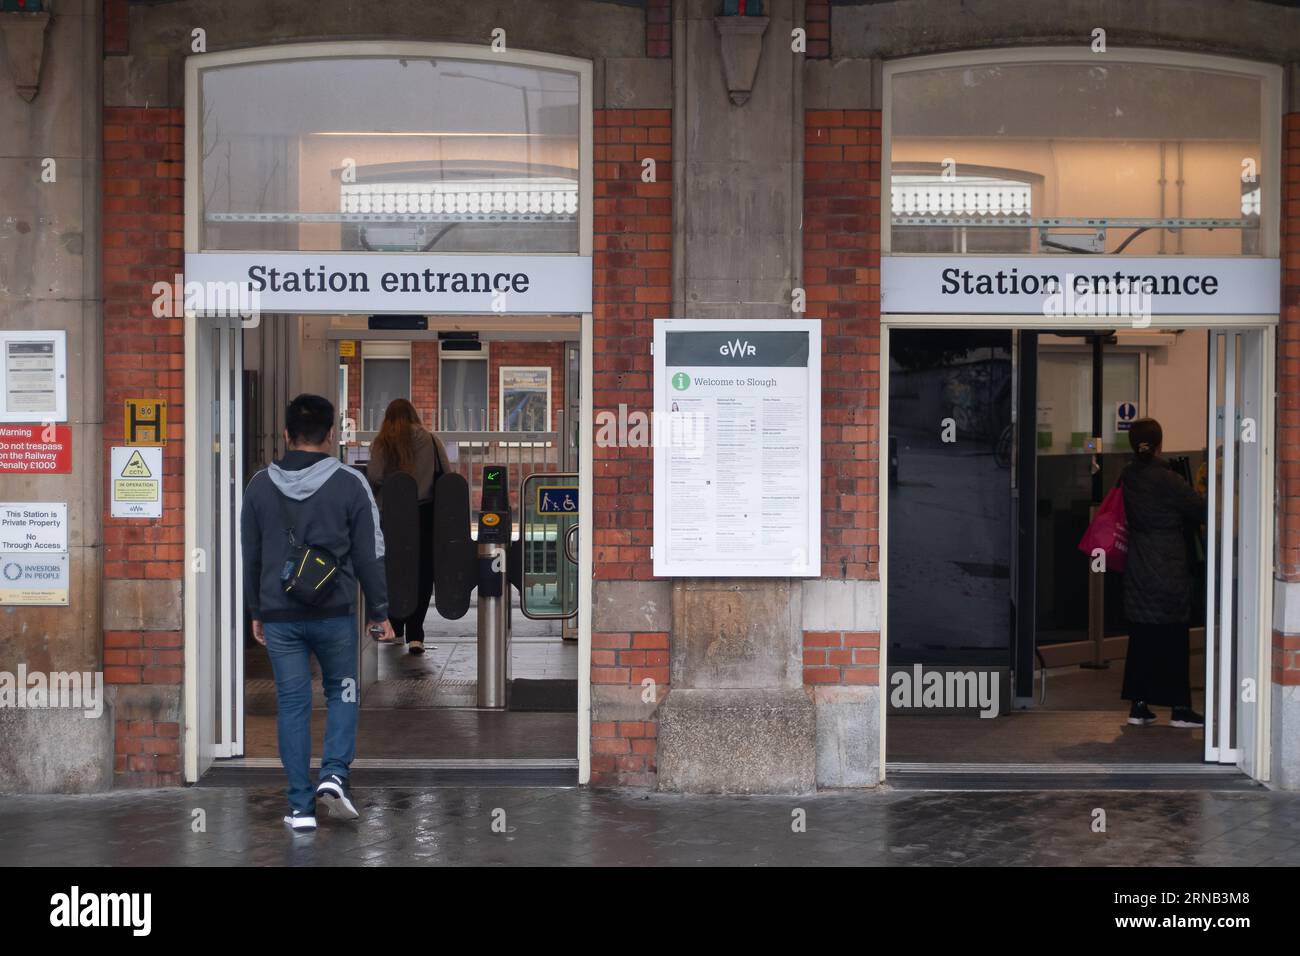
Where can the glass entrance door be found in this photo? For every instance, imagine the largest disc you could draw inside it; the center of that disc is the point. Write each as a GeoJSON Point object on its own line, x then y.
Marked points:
{"type": "Point", "coordinates": [950, 512]}
{"type": "Point", "coordinates": [1239, 547]}
{"type": "Point", "coordinates": [216, 563]}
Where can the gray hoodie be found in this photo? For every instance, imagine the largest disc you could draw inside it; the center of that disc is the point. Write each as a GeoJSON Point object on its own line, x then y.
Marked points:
{"type": "Point", "coordinates": [330, 507]}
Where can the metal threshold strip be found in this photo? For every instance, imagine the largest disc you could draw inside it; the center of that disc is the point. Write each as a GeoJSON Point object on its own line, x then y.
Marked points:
{"type": "Point", "coordinates": [413, 773]}
{"type": "Point", "coordinates": [420, 763]}
{"type": "Point", "coordinates": [1196, 769]}
{"type": "Point", "coordinates": [1067, 776]}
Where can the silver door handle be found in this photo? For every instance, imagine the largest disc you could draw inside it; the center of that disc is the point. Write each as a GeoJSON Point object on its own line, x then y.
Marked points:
{"type": "Point", "coordinates": [571, 544]}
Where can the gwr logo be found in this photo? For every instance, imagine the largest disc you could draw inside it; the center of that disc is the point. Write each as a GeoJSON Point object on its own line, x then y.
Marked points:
{"type": "Point", "coordinates": [737, 348]}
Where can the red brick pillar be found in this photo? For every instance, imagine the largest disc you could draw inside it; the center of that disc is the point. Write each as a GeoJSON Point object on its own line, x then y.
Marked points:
{"type": "Point", "coordinates": [841, 242]}
{"type": "Point", "coordinates": [1286, 647]}
{"type": "Point", "coordinates": [143, 226]}
{"type": "Point", "coordinates": [632, 287]}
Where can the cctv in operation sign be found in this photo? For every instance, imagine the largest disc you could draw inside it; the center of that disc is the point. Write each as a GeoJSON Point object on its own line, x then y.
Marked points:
{"type": "Point", "coordinates": [737, 448]}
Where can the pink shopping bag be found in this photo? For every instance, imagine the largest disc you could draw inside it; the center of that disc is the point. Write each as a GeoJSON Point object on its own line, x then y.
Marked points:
{"type": "Point", "coordinates": [1108, 531]}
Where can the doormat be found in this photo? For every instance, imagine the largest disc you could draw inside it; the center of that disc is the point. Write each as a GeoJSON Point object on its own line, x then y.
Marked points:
{"type": "Point", "coordinates": [553, 696]}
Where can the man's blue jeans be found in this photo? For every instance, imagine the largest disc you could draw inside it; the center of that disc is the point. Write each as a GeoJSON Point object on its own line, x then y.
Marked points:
{"type": "Point", "coordinates": [290, 644]}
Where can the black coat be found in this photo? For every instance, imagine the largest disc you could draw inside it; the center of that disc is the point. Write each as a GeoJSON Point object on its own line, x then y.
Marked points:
{"type": "Point", "coordinates": [1158, 508]}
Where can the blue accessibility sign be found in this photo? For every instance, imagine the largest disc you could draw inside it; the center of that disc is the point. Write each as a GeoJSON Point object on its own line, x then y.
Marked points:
{"type": "Point", "coordinates": [557, 500]}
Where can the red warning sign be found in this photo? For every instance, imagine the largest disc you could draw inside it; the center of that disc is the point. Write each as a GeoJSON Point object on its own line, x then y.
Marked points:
{"type": "Point", "coordinates": [35, 449]}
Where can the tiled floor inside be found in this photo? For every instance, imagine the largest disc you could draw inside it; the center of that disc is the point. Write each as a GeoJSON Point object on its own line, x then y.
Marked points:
{"type": "Point", "coordinates": [422, 705]}
{"type": "Point", "coordinates": [1083, 720]}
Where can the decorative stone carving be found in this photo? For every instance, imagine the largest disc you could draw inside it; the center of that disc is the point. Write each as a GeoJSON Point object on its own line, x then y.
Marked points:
{"type": "Point", "coordinates": [24, 40]}
{"type": "Point", "coordinates": [742, 45]}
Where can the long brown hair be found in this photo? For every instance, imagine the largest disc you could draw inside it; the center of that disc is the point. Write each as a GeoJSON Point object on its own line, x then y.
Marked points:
{"type": "Point", "coordinates": [394, 440]}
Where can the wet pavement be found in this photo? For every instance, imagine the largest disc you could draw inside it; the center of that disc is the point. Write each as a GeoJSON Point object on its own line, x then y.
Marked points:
{"type": "Point", "coordinates": [238, 826]}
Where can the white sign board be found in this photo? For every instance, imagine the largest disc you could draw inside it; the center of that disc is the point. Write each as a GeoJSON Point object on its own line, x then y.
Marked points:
{"type": "Point", "coordinates": [737, 448]}
{"type": "Point", "coordinates": [324, 282]}
{"type": "Point", "coordinates": [33, 376]}
{"type": "Point", "coordinates": [136, 482]}
{"type": "Point", "coordinates": [1053, 286]}
{"type": "Point", "coordinates": [34, 526]}
{"type": "Point", "coordinates": [34, 578]}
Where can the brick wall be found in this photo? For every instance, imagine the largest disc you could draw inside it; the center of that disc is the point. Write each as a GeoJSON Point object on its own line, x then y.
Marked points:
{"type": "Point", "coordinates": [841, 241]}
{"type": "Point", "coordinates": [1286, 647]}
{"type": "Point", "coordinates": [1288, 364]}
{"type": "Point", "coordinates": [117, 26]}
{"type": "Point", "coordinates": [632, 287]}
{"type": "Point", "coordinates": [841, 657]}
{"type": "Point", "coordinates": [143, 219]}
{"type": "Point", "coordinates": [424, 381]}
{"type": "Point", "coordinates": [659, 28]}
{"type": "Point", "coordinates": [817, 21]}
{"type": "Point", "coordinates": [353, 362]}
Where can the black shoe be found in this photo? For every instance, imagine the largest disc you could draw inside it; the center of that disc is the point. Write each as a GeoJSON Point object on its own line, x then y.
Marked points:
{"type": "Point", "coordinates": [1140, 714]}
{"type": "Point", "coordinates": [332, 793]}
{"type": "Point", "coordinates": [302, 821]}
{"type": "Point", "coordinates": [1186, 717]}
{"type": "Point", "coordinates": [415, 647]}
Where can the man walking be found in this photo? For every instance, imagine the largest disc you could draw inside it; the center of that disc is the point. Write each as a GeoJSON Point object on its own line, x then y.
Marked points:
{"type": "Point", "coordinates": [310, 532]}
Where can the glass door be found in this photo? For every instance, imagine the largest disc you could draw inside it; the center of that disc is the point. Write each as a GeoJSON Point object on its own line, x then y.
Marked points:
{"type": "Point", "coordinates": [950, 505]}
{"type": "Point", "coordinates": [219, 567]}
{"type": "Point", "coordinates": [1238, 548]}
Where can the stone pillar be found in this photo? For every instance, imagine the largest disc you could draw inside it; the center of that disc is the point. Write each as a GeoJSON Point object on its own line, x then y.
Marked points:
{"type": "Point", "coordinates": [50, 279]}
{"type": "Point", "coordinates": [737, 718]}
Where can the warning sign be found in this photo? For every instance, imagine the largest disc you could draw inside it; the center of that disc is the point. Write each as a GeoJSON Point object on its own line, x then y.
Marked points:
{"type": "Point", "coordinates": [35, 449]}
{"type": "Point", "coordinates": [1125, 413]}
{"type": "Point", "coordinates": [347, 349]}
{"type": "Point", "coordinates": [145, 421]}
{"type": "Point", "coordinates": [136, 482]}
{"type": "Point", "coordinates": [135, 467]}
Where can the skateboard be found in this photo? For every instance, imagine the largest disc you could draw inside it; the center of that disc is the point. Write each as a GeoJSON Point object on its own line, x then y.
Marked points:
{"type": "Point", "coordinates": [400, 520]}
{"type": "Point", "coordinates": [455, 564]}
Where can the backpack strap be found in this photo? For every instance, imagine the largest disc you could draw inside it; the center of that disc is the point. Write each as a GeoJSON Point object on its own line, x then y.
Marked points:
{"type": "Point", "coordinates": [286, 519]}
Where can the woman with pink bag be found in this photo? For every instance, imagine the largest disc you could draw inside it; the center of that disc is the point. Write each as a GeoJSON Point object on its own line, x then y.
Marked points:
{"type": "Point", "coordinates": [1158, 507]}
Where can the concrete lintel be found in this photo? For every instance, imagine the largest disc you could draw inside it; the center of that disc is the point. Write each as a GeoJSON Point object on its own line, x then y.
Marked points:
{"type": "Point", "coordinates": [632, 606]}
{"type": "Point", "coordinates": [844, 84]}
{"type": "Point", "coordinates": [132, 604]}
{"type": "Point", "coordinates": [638, 83]}
{"type": "Point", "coordinates": [831, 605]}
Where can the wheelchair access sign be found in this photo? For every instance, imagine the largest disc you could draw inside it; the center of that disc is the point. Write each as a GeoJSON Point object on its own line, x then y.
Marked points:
{"type": "Point", "coordinates": [557, 500]}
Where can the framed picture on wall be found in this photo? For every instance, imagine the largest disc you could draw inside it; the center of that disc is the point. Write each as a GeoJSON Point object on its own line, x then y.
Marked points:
{"type": "Point", "coordinates": [525, 403]}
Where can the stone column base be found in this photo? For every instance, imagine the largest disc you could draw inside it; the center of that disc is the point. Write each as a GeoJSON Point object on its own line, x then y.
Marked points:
{"type": "Point", "coordinates": [737, 741]}
{"type": "Point", "coordinates": [848, 736]}
{"type": "Point", "coordinates": [1285, 745]}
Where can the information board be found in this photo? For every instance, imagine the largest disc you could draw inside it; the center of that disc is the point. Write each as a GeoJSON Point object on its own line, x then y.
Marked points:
{"type": "Point", "coordinates": [33, 376]}
{"type": "Point", "coordinates": [737, 448]}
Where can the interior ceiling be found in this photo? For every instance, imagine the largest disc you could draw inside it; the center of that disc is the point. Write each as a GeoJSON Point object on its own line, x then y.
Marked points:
{"type": "Point", "coordinates": [1077, 101]}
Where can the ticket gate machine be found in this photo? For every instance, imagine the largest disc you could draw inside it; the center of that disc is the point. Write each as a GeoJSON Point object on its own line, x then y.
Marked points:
{"type": "Point", "coordinates": [494, 526]}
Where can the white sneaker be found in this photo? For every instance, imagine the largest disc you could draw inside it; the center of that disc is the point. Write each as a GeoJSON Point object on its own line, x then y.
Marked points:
{"type": "Point", "coordinates": [301, 821]}
{"type": "Point", "coordinates": [332, 795]}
